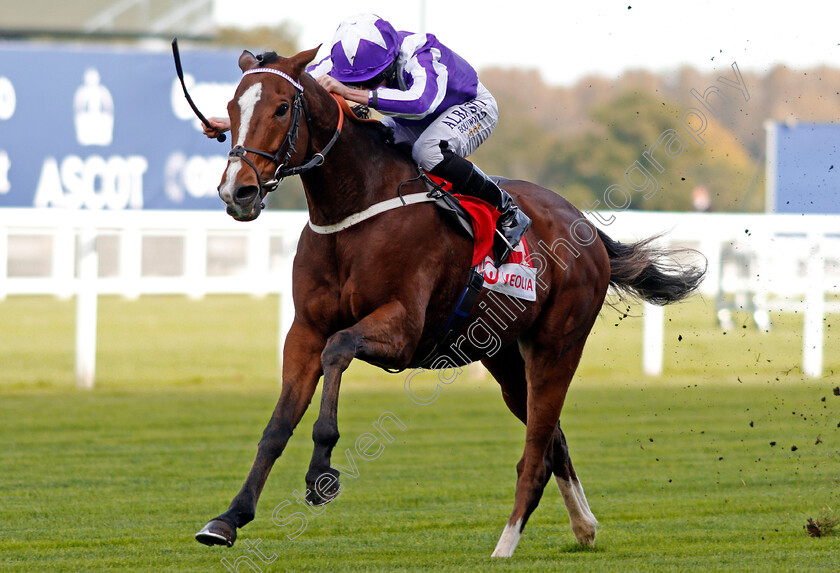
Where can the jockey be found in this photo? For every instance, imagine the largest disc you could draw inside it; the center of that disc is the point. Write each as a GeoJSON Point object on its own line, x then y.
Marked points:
{"type": "Point", "coordinates": [432, 99]}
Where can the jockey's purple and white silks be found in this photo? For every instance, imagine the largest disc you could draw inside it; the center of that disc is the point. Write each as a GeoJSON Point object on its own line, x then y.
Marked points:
{"type": "Point", "coordinates": [430, 78]}
{"type": "Point", "coordinates": [437, 97]}
{"type": "Point", "coordinates": [463, 127]}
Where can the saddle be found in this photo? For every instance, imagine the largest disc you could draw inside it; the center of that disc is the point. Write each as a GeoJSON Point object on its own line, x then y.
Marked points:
{"type": "Point", "coordinates": [469, 215]}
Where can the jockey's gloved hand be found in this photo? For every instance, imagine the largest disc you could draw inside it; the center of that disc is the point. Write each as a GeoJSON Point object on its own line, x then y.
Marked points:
{"type": "Point", "coordinates": [218, 125]}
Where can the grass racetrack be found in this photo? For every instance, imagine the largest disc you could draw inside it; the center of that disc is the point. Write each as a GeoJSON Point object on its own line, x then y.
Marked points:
{"type": "Point", "coordinates": [715, 466]}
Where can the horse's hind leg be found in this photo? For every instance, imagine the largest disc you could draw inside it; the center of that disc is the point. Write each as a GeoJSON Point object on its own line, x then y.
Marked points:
{"type": "Point", "coordinates": [508, 368]}
{"type": "Point", "coordinates": [548, 376]}
{"type": "Point", "coordinates": [581, 518]}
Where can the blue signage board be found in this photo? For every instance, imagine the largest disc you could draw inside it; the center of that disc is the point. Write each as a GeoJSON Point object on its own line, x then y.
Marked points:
{"type": "Point", "coordinates": [804, 173]}
{"type": "Point", "coordinates": [107, 128]}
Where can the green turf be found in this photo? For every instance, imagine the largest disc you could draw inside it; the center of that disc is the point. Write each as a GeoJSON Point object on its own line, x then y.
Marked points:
{"type": "Point", "coordinates": [680, 470]}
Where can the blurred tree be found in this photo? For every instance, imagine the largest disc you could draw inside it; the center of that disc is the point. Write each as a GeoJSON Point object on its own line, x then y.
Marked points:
{"type": "Point", "coordinates": [582, 168]}
{"type": "Point", "coordinates": [282, 38]}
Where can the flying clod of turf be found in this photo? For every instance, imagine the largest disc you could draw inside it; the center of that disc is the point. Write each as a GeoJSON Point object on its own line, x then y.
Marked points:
{"type": "Point", "coordinates": [824, 525]}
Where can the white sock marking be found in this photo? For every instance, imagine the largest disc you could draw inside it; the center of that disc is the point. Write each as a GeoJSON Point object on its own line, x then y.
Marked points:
{"type": "Point", "coordinates": [582, 520]}
{"type": "Point", "coordinates": [508, 540]}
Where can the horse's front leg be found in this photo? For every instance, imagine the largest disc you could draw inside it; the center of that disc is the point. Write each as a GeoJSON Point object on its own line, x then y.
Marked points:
{"type": "Point", "coordinates": [301, 371]}
{"type": "Point", "coordinates": [385, 336]}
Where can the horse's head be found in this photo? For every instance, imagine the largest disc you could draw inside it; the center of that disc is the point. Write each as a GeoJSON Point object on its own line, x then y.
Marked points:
{"type": "Point", "coordinates": [265, 115]}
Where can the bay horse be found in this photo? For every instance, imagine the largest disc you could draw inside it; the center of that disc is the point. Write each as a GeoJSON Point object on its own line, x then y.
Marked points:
{"type": "Point", "coordinates": [381, 288]}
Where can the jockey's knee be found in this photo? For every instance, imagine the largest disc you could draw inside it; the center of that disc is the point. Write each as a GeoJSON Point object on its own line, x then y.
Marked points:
{"type": "Point", "coordinates": [427, 153]}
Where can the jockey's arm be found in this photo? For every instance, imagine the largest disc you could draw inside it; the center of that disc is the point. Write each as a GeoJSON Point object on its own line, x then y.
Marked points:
{"type": "Point", "coordinates": [422, 88]}
{"type": "Point", "coordinates": [420, 99]}
{"type": "Point", "coordinates": [356, 95]}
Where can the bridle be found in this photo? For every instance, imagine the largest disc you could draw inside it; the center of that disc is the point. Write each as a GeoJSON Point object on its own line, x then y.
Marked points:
{"type": "Point", "coordinates": [283, 155]}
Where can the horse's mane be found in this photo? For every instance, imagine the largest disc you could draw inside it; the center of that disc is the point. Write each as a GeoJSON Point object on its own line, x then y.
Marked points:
{"type": "Point", "coordinates": [381, 133]}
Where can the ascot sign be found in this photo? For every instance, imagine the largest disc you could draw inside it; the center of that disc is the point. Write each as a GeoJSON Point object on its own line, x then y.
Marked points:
{"type": "Point", "coordinates": [105, 130]}
{"type": "Point", "coordinates": [93, 183]}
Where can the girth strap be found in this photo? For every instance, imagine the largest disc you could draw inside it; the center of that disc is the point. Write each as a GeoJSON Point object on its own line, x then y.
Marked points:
{"type": "Point", "coordinates": [372, 211]}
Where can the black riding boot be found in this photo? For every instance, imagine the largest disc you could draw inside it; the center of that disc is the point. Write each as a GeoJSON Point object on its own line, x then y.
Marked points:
{"type": "Point", "coordinates": [470, 180]}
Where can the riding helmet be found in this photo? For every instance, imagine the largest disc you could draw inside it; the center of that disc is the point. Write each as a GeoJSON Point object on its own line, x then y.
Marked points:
{"type": "Point", "coordinates": [363, 46]}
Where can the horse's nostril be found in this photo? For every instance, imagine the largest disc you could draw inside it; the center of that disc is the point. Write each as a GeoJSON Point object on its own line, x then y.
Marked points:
{"type": "Point", "coordinates": [247, 194]}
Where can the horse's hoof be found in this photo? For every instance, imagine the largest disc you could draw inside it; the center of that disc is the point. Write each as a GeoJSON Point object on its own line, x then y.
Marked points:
{"type": "Point", "coordinates": [316, 499]}
{"type": "Point", "coordinates": [326, 493]}
{"type": "Point", "coordinates": [217, 532]}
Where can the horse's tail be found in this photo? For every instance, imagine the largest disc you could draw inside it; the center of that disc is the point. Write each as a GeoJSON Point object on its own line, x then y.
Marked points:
{"type": "Point", "coordinates": [650, 273]}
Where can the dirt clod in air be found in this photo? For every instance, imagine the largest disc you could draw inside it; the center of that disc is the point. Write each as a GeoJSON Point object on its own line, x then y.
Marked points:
{"type": "Point", "coordinates": [823, 526]}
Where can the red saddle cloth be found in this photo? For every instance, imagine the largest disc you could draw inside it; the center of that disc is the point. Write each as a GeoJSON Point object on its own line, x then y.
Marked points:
{"type": "Point", "coordinates": [483, 216]}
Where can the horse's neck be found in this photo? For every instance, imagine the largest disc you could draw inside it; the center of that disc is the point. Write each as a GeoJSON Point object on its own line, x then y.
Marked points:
{"type": "Point", "coordinates": [357, 173]}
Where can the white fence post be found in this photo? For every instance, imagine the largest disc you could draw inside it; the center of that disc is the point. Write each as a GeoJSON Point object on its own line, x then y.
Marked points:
{"type": "Point", "coordinates": [653, 339]}
{"type": "Point", "coordinates": [86, 302]}
{"type": "Point", "coordinates": [812, 335]}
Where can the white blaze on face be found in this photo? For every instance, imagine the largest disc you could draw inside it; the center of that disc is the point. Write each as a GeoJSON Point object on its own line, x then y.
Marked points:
{"type": "Point", "coordinates": [247, 102]}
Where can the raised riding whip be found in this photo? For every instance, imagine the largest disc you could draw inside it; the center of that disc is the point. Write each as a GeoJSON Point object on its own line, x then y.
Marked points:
{"type": "Point", "coordinates": [221, 137]}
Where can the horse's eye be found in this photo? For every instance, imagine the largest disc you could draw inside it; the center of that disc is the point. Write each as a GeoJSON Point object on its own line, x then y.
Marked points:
{"type": "Point", "coordinates": [281, 110]}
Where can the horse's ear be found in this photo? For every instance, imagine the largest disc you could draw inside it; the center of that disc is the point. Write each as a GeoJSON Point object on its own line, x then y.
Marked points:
{"type": "Point", "coordinates": [247, 61]}
{"type": "Point", "coordinates": [300, 60]}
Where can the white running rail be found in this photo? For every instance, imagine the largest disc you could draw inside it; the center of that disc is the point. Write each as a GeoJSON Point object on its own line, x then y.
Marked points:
{"type": "Point", "coordinates": [785, 263]}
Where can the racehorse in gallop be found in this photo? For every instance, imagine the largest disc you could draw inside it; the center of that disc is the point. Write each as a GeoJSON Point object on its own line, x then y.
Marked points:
{"type": "Point", "coordinates": [380, 284]}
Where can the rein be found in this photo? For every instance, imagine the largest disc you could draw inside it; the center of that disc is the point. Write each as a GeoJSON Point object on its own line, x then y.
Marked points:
{"type": "Point", "coordinates": [287, 146]}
